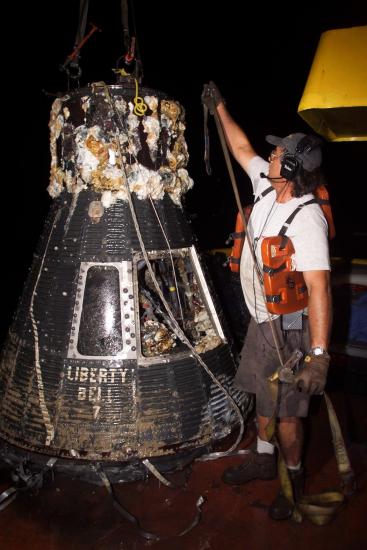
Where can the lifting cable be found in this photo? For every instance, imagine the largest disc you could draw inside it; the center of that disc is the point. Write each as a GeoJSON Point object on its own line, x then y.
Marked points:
{"type": "Point", "coordinates": [177, 329]}
{"type": "Point", "coordinates": [97, 467]}
{"type": "Point", "coordinates": [213, 110]}
{"type": "Point", "coordinates": [71, 65]}
{"type": "Point", "coordinates": [125, 24]}
{"type": "Point", "coordinates": [132, 64]}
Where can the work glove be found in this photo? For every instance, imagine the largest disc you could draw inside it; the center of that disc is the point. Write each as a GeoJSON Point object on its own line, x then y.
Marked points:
{"type": "Point", "coordinates": [312, 376]}
{"type": "Point", "coordinates": [211, 96]}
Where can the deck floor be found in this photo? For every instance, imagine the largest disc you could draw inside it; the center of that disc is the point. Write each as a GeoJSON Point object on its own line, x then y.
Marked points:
{"type": "Point", "coordinates": [70, 514]}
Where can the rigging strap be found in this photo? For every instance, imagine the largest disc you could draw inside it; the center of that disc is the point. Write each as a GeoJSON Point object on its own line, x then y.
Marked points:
{"type": "Point", "coordinates": [318, 508]}
{"type": "Point", "coordinates": [223, 142]}
{"type": "Point", "coordinates": [71, 64]}
{"type": "Point", "coordinates": [132, 64]}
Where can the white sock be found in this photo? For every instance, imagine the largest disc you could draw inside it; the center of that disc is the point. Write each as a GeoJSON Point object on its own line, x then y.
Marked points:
{"type": "Point", "coordinates": [264, 446]}
{"type": "Point", "coordinates": [295, 468]}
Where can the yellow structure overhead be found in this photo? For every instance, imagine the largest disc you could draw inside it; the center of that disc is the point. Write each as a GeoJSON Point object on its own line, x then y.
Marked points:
{"type": "Point", "coordinates": [334, 101]}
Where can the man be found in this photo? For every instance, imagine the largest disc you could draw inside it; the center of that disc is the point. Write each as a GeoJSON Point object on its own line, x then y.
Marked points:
{"type": "Point", "coordinates": [290, 175]}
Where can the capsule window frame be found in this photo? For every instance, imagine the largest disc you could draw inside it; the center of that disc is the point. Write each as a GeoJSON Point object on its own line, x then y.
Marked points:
{"type": "Point", "coordinates": [127, 308]}
{"type": "Point", "coordinates": [205, 296]}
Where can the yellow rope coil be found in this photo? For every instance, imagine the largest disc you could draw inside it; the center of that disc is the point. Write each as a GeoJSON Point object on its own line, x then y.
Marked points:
{"type": "Point", "coordinates": [140, 107]}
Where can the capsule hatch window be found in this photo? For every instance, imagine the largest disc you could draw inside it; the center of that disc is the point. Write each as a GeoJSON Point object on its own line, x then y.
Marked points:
{"type": "Point", "coordinates": [182, 284]}
{"type": "Point", "coordinates": [119, 311]}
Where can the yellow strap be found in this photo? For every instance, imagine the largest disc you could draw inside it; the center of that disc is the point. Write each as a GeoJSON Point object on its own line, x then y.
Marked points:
{"type": "Point", "coordinates": [341, 455]}
{"type": "Point", "coordinates": [274, 391]}
{"type": "Point", "coordinates": [319, 508]}
{"type": "Point", "coordinates": [121, 72]}
{"type": "Point", "coordinates": [283, 373]}
{"type": "Point", "coordinates": [284, 478]}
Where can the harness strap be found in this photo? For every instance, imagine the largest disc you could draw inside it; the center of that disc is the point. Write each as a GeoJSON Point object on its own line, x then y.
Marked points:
{"type": "Point", "coordinates": [273, 270]}
{"type": "Point", "coordinates": [295, 212]}
{"type": "Point", "coordinates": [263, 194]}
{"type": "Point", "coordinates": [277, 298]}
{"type": "Point", "coordinates": [273, 298]}
{"type": "Point", "coordinates": [235, 235]}
{"type": "Point", "coordinates": [238, 235]}
{"type": "Point", "coordinates": [289, 220]}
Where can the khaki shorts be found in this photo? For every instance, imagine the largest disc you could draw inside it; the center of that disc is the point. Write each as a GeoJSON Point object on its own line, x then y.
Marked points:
{"type": "Point", "coordinates": [259, 360]}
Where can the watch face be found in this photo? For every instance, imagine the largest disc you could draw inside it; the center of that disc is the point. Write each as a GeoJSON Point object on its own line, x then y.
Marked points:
{"type": "Point", "coordinates": [318, 351]}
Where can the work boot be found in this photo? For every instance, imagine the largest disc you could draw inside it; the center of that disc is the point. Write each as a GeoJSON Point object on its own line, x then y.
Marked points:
{"type": "Point", "coordinates": [256, 466]}
{"type": "Point", "coordinates": [281, 507]}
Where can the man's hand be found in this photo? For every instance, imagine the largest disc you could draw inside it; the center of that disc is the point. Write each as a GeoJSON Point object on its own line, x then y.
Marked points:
{"type": "Point", "coordinates": [312, 377]}
{"type": "Point", "coordinates": [211, 96]}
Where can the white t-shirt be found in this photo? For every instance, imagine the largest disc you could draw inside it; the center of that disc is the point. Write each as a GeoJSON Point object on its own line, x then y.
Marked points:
{"type": "Point", "coordinates": [308, 233]}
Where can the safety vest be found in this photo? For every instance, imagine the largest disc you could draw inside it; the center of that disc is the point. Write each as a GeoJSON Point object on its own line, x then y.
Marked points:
{"type": "Point", "coordinates": [284, 288]}
{"type": "Point", "coordinates": [321, 197]}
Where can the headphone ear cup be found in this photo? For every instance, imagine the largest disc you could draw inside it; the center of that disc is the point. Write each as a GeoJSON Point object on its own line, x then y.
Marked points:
{"type": "Point", "coordinates": [308, 143]}
{"type": "Point", "coordinates": [290, 166]}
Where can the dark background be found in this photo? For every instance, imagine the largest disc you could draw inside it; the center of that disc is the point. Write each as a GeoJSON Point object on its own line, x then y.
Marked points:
{"type": "Point", "coordinates": [259, 55]}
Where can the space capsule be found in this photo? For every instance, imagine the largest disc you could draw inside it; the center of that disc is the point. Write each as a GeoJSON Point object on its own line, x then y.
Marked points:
{"type": "Point", "coordinates": [100, 363]}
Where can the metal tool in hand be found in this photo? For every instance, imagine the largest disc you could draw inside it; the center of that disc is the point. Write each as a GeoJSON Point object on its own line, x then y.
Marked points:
{"type": "Point", "coordinates": [285, 373]}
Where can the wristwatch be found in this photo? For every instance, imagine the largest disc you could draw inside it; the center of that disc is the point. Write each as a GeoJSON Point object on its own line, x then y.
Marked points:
{"type": "Point", "coordinates": [318, 350]}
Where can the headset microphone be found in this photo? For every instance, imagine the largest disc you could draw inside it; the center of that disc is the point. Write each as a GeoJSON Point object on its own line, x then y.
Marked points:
{"type": "Point", "coordinates": [262, 175]}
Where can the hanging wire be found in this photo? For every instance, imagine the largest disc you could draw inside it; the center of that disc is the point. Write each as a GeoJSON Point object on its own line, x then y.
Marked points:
{"type": "Point", "coordinates": [176, 327]}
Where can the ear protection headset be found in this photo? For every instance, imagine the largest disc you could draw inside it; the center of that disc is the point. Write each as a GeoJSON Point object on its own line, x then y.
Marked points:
{"type": "Point", "coordinates": [292, 163]}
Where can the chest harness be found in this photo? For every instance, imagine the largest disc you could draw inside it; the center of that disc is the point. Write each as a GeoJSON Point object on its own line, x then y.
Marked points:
{"type": "Point", "coordinates": [238, 236]}
{"type": "Point", "coordinates": [285, 288]}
